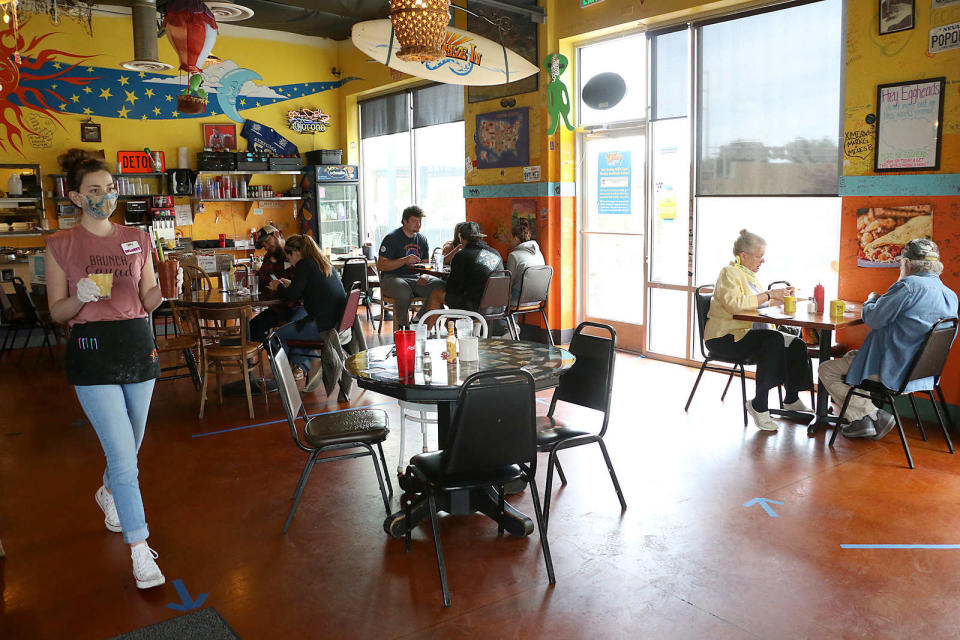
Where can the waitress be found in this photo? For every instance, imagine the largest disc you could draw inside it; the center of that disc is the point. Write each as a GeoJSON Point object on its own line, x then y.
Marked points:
{"type": "Point", "coordinates": [101, 282]}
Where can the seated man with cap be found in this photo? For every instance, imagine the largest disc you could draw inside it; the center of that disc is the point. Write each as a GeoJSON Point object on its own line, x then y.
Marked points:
{"type": "Point", "coordinates": [275, 263]}
{"type": "Point", "coordinates": [399, 249]}
{"type": "Point", "coordinates": [469, 271]}
{"type": "Point", "coordinates": [899, 322]}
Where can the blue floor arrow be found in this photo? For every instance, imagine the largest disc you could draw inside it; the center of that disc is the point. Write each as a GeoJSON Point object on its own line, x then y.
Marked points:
{"type": "Point", "coordinates": [186, 602]}
{"type": "Point", "coordinates": [900, 546]}
{"type": "Point", "coordinates": [763, 503]}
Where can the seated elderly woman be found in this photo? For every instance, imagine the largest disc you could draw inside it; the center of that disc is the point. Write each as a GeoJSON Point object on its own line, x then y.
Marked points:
{"type": "Point", "coordinates": [781, 358]}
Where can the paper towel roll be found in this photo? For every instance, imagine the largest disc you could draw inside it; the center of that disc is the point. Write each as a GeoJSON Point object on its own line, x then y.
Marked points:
{"type": "Point", "coordinates": [183, 157]}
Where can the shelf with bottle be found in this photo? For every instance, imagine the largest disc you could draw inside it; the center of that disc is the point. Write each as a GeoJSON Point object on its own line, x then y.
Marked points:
{"type": "Point", "coordinates": [129, 185]}
{"type": "Point", "coordinates": [234, 172]}
{"type": "Point", "coordinates": [287, 198]}
{"type": "Point", "coordinates": [23, 209]}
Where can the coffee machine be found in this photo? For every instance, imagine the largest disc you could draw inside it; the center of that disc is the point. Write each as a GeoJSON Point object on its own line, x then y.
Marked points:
{"type": "Point", "coordinates": [181, 182]}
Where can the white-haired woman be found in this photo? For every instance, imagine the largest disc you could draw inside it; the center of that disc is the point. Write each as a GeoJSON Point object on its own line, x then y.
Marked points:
{"type": "Point", "coordinates": [780, 358]}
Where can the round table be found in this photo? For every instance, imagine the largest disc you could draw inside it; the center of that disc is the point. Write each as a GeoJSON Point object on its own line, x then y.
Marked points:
{"type": "Point", "coordinates": [376, 370]}
{"type": "Point", "coordinates": [220, 298]}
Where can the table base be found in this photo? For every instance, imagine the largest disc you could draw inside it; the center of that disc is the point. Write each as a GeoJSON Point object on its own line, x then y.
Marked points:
{"type": "Point", "coordinates": [461, 503]}
{"type": "Point", "coordinates": [237, 388]}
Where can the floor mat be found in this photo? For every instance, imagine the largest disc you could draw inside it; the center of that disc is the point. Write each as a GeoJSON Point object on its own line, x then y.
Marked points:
{"type": "Point", "coordinates": [205, 623]}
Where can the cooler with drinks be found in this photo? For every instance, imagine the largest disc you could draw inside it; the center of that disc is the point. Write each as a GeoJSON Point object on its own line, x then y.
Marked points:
{"type": "Point", "coordinates": [330, 211]}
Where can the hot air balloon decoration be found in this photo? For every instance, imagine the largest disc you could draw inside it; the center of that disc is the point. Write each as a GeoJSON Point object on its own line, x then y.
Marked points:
{"type": "Point", "coordinates": [192, 30]}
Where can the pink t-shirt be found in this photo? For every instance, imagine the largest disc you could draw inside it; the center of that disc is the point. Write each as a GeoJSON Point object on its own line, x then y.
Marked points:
{"type": "Point", "coordinates": [123, 253]}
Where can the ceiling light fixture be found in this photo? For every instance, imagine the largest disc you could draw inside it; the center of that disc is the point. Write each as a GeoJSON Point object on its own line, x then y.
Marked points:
{"type": "Point", "coordinates": [420, 27]}
{"type": "Point", "coordinates": [229, 11]}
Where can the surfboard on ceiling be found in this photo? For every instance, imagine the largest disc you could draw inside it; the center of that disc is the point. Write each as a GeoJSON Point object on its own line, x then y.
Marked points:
{"type": "Point", "coordinates": [470, 59]}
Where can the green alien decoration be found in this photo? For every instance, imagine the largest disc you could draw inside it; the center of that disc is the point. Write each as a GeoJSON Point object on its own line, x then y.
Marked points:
{"type": "Point", "coordinates": [193, 87]}
{"type": "Point", "coordinates": [558, 99]}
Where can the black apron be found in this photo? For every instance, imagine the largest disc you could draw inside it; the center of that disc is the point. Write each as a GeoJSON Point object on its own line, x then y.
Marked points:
{"type": "Point", "coordinates": [112, 352]}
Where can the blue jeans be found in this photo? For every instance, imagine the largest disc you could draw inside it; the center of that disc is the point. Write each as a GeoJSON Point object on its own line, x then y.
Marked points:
{"type": "Point", "coordinates": [118, 414]}
{"type": "Point", "coordinates": [290, 331]}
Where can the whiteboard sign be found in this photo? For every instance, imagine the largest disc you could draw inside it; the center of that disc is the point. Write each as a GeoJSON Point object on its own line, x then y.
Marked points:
{"type": "Point", "coordinates": [908, 125]}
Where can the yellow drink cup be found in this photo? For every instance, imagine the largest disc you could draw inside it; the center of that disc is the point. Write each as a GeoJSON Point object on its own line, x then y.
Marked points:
{"type": "Point", "coordinates": [837, 307]}
{"type": "Point", "coordinates": [789, 304]}
{"type": "Point", "coordinates": [104, 283]}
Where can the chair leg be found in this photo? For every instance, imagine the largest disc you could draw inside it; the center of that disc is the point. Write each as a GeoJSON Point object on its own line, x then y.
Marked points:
{"type": "Point", "coordinates": [613, 474]}
{"type": "Point", "coordinates": [916, 414]}
{"type": "Point", "coordinates": [543, 313]}
{"type": "Point", "coordinates": [723, 396]}
{"type": "Point", "coordinates": [500, 510]}
{"type": "Point", "coordinates": [26, 343]}
{"type": "Point", "coordinates": [403, 438]}
{"type": "Point", "coordinates": [563, 478]}
{"type": "Point", "coordinates": [695, 385]}
{"type": "Point", "coordinates": [423, 432]}
{"type": "Point", "coordinates": [780, 395]}
{"type": "Point", "coordinates": [298, 493]}
{"type": "Point", "coordinates": [943, 425]}
{"type": "Point", "coordinates": [439, 547]}
{"type": "Point", "coordinates": [843, 412]}
{"type": "Point", "coordinates": [385, 474]}
{"type": "Point", "coordinates": [903, 436]}
{"type": "Point", "coordinates": [548, 488]}
{"type": "Point", "coordinates": [246, 385]}
{"type": "Point", "coordinates": [203, 387]}
{"type": "Point", "coordinates": [192, 366]}
{"type": "Point", "coordinates": [943, 406]}
{"type": "Point", "coordinates": [743, 389]}
{"type": "Point", "coordinates": [376, 467]}
{"type": "Point", "coordinates": [542, 526]}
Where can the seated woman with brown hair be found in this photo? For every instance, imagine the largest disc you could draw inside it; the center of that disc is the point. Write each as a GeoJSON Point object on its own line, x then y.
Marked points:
{"type": "Point", "coordinates": [781, 358]}
{"type": "Point", "coordinates": [526, 253]}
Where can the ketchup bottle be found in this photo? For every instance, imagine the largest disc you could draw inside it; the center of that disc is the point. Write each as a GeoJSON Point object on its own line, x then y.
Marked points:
{"type": "Point", "coordinates": [818, 297]}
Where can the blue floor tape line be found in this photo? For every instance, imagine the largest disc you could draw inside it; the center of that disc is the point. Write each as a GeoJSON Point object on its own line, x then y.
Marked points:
{"type": "Point", "coordinates": [900, 546]}
{"type": "Point", "coordinates": [264, 424]}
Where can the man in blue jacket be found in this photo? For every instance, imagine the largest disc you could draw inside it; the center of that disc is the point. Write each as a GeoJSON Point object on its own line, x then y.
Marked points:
{"type": "Point", "coordinates": [899, 321]}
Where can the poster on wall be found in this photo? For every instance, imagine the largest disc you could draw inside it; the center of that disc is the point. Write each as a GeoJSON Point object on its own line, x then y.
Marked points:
{"type": "Point", "coordinates": [503, 139]}
{"type": "Point", "coordinates": [909, 125]}
{"type": "Point", "coordinates": [883, 231]}
{"type": "Point", "coordinates": [613, 178]}
{"type": "Point", "coordinates": [896, 15]}
{"type": "Point", "coordinates": [519, 35]}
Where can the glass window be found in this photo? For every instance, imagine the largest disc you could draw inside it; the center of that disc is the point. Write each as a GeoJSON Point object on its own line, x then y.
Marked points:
{"type": "Point", "coordinates": [387, 189]}
{"type": "Point", "coordinates": [626, 57]}
{"type": "Point", "coordinates": [671, 62]}
{"type": "Point", "coordinates": [440, 179]}
{"type": "Point", "coordinates": [802, 237]}
{"type": "Point", "coordinates": [670, 202]}
{"type": "Point", "coordinates": [768, 127]}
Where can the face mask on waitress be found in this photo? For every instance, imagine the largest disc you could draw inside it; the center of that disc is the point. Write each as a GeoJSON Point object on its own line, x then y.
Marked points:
{"type": "Point", "coordinates": [101, 206]}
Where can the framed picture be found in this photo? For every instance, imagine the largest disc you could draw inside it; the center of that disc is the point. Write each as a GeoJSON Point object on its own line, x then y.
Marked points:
{"type": "Point", "coordinates": [503, 138]}
{"type": "Point", "coordinates": [519, 35]}
{"type": "Point", "coordinates": [897, 15]}
{"type": "Point", "coordinates": [909, 125]}
{"type": "Point", "coordinates": [220, 137]}
{"type": "Point", "coordinates": [882, 232]}
{"type": "Point", "coordinates": [89, 132]}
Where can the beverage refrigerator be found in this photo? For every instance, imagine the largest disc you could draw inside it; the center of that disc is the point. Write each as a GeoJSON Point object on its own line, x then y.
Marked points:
{"type": "Point", "coordinates": [330, 211]}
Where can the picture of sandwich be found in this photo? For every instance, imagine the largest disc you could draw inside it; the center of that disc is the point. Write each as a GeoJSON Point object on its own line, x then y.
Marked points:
{"type": "Point", "coordinates": [883, 231]}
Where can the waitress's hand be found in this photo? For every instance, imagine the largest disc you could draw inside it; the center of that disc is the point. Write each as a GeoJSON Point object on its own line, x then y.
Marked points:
{"type": "Point", "coordinates": [87, 290]}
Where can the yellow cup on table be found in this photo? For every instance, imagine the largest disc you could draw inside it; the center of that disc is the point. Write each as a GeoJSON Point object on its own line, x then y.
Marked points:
{"type": "Point", "coordinates": [837, 307]}
{"type": "Point", "coordinates": [104, 283]}
{"type": "Point", "coordinates": [789, 304]}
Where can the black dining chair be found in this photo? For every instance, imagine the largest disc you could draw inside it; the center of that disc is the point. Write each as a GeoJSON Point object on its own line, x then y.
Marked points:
{"type": "Point", "coordinates": [34, 319]}
{"type": "Point", "coordinates": [354, 272]}
{"type": "Point", "coordinates": [492, 442]}
{"type": "Point", "coordinates": [588, 383]}
{"type": "Point", "coordinates": [928, 363]}
{"type": "Point", "coordinates": [534, 289]}
{"type": "Point", "coordinates": [339, 431]}
{"type": "Point", "coordinates": [495, 301]}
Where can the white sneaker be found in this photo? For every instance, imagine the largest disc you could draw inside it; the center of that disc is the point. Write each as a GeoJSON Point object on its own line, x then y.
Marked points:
{"type": "Point", "coordinates": [145, 569]}
{"type": "Point", "coordinates": [797, 405]}
{"type": "Point", "coordinates": [761, 418]}
{"type": "Point", "coordinates": [110, 518]}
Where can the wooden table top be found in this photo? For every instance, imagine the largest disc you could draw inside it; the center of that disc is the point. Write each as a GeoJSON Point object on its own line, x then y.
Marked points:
{"type": "Point", "coordinates": [427, 269]}
{"type": "Point", "coordinates": [219, 298]}
{"type": "Point", "coordinates": [805, 320]}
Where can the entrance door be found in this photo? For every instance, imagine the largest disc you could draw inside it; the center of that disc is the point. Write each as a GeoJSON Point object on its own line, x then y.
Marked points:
{"type": "Point", "coordinates": [612, 235]}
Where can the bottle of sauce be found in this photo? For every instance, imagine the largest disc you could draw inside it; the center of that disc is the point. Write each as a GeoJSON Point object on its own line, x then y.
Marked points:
{"type": "Point", "coordinates": [818, 297]}
{"type": "Point", "coordinates": [451, 343]}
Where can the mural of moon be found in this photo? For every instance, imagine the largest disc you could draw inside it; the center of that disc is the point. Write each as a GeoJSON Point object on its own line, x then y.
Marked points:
{"type": "Point", "coordinates": [230, 85]}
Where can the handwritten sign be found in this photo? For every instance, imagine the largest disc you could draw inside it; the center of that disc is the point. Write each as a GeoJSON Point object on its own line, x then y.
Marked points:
{"type": "Point", "coordinates": [858, 143]}
{"type": "Point", "coordinates": [909, 117]}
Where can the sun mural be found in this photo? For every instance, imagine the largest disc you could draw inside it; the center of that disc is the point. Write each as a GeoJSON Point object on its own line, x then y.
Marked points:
{"type": "Point", "coordinates": [21, 61]}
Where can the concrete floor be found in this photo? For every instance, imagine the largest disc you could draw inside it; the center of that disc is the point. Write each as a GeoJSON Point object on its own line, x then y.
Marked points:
{"type": "Point", "coordinates": [685, 560]}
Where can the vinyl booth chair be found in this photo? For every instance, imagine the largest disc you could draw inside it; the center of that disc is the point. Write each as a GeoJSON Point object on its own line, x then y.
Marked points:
{"type": "Point", "coordinates": [929, 362]}
{"type": "Point", "coordinates": [534, 289]}
{"type": "Point", "coordinates": [492, 441]}
{"type": "Point", "coordinates": [328, 432]}
{"type": "Point", "coordinates": [588, 383]}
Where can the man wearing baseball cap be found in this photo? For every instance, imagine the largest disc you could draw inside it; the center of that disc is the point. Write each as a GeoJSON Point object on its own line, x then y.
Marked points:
{"type": "Point", "coordinates": [899, 321]}
{"type": "Point", "coordinates": [270, 240]}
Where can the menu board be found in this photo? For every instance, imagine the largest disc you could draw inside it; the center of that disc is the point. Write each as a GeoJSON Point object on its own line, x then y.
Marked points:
{"type": "Point", "coordinates": [908, 125]}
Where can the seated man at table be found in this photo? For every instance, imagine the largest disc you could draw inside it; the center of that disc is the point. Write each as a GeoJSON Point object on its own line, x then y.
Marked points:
{"type": "Point", "coordinates": [401, 248]}
{"type": "Point", "coordinates": [275, 264]}
{"type": "Point", "coordinates": [899, 321]}
{"type": "Point", "coordinates": [469, 271]}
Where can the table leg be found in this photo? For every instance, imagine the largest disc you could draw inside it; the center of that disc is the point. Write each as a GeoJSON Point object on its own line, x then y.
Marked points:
{"type": "Point", "coordinates": [483, 501]}
{"type": "Point", "coordinates": [823, 398]}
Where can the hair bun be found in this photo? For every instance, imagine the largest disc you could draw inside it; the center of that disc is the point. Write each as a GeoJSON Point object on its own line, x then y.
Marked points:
{"type": "Point", "coordinates": [744, 232]}
{"type": "Point", "coordinates": [72, 159]}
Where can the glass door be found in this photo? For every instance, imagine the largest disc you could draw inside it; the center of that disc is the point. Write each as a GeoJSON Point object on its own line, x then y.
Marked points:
{"type": "Point", "coordinates": [612, 235]}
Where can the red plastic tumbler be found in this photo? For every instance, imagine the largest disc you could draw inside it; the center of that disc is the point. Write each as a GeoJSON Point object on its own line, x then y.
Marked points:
{"type": "Point", "coordinates": [406, 343]}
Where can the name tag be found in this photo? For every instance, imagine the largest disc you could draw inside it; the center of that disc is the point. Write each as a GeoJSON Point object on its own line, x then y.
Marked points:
{"type": "Point", "coordinates": [130, 248]}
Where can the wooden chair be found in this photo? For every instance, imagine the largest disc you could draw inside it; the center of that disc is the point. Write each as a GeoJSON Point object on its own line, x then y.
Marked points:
{"type": "Point", "coordinates": [196, 279]}
{"type": "Point", "coordinates": [217, 348]}
{"type": "Point", "coordinates": [185, 341]}
{"type": "Point", "coordinates": [387, 304]}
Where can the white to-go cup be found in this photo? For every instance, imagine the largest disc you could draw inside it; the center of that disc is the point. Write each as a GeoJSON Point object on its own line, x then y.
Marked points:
{"type": "Point", "coordinates": [469, 349]}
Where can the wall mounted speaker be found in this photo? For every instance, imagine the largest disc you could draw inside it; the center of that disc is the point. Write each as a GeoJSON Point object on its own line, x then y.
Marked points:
{"type": "Point", "coordinates": [604, 91]}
